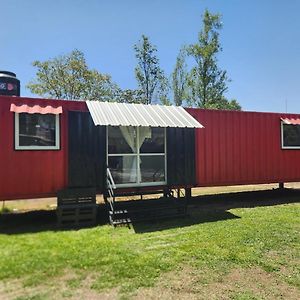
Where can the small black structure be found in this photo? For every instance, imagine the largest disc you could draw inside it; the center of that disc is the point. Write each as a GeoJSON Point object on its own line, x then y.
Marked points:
{"type": "Point", "coordinates": [9, 84]}
{"type": "Point", "coordinates": [76, 207]}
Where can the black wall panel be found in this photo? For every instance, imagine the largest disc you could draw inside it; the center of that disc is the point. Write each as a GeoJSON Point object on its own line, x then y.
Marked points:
{"type": "Point", "coordinates": [180, 156]}
{"type": "Point", "coordinates": [87, 152]}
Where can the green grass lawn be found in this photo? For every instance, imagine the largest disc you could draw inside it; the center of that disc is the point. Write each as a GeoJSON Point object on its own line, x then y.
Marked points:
{"type": "Point", "coordinates": [213, 249]}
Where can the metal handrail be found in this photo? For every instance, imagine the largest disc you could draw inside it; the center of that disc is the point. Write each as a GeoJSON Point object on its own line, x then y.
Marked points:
{"type": "Point", "coordinates": [111, 187]}
{"type": "Point", "coordinates": [111, 178]}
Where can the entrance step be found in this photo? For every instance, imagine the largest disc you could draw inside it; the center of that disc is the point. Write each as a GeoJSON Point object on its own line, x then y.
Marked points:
{"type": "Point", "coordinates": [127, 212]}
{"type": "Point", "coordinates": [134, 193]}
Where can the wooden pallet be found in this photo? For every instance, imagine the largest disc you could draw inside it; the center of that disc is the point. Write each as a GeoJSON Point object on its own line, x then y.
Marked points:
{"type": "Point", "coordinates": [76, 207]}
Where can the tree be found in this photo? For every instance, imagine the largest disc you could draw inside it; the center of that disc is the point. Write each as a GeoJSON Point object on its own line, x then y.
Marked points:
{"type": "Point", "coordinates": [225, 104]}
{"type": "Point", "coordinates": [68, 77]}
{"type": "Point", "coordinates": [163, 91]}
{"type": "Point", "coordinates": [179, 79]}
{"type": "Point", "coordinates": [151, 79]}
{"type": "Point", "coordinates": [207, 82]}
{"type": "Point", "coordinates": [131, 96]}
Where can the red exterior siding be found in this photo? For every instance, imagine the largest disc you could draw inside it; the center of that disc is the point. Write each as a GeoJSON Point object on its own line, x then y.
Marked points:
{"type": "Point", "coordinates": [32, 173]}
{"type": "Point", "coordinates": [233, 148]}
{"type": "Point", "coordinates": [242, 148]}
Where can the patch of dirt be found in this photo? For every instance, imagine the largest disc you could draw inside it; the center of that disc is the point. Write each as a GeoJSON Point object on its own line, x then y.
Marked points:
{"type": "Point", "coordinates": [185, 284]}
{"type": "Point", "coordinates": [14, 288]}
{"type": "Point", "coordinates": [84, 291]}
{"type": "Point", "coordinates": [50, 203]}
{"type": "Point", "coordinates": [87, 293]}
{"type": "Point", "coordinates": [57, 288]}
{"type": "Point", "coordinates": [30, 204]}
{"type": "Point", "coordinates": [198, 284]}
{"type": "Point", "coordinates": [240, 188]}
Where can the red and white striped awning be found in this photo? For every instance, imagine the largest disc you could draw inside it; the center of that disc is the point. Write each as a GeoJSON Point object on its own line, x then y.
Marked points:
{"type": "Point", "coordinates": [35, 109]}
{"type": "Point", "coordinates": [290, 121]}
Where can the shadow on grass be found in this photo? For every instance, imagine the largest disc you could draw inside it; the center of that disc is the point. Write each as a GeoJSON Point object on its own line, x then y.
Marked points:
{"type": "Point", "coordinates": [192, 218]}
{"type": "Point", "coordinates": [212, 208]}
{"type": "Point", "coordinates": [246, 199]}
{"type": "Point", "coordinates": [201, 209]}
{"type": "Point", "coordinates": [38, 221]}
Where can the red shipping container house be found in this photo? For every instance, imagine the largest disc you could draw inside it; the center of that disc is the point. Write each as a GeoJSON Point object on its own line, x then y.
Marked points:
{"type": "Point", "coordinates": [49, 145]}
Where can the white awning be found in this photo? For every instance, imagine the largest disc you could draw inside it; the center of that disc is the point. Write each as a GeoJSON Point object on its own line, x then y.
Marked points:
{"type": "Point", "coordinates": [125, 114]}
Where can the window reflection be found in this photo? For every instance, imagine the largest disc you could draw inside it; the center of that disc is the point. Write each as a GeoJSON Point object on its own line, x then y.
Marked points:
{"type": "Point", "coordinates": [121, 139]}
{"type": "Point", "coordinates": [152, 140]}
{"type": "Point", "coordinates": [152, 168]}
{"type": "Point", "coordinates": [37, 129]}
{"type": "Point", "coordinates": [291, 135]}
{"type": "Point", "coordinates": [123, 169]}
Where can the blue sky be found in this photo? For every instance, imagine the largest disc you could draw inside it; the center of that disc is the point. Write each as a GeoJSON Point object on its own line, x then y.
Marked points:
{"type": "Point", "coordinates": [260, 40]}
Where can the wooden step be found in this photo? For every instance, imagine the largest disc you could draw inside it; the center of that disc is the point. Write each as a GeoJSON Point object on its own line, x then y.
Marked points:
{"type": "Point", "coordinates": [118, 212]}
{"type": "Point", "coordinates": [137, 205]}
{"type": "Point", "coordinates": [130, 193]}
{"type": "Point", "coordinates": [121, 221]}
{"type": "Point", "coordinates": [136, 219]}
{"type": "Point", "coordinates": [146, 213]}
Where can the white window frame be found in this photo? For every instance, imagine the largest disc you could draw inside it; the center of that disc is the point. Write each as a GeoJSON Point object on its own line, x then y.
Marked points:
{"type": "Point", "coordinates": [282, 140]}
{"type": "Point", "coordinates": [17, 139]}
{"type": "Point", "coordinates": [137, 154]}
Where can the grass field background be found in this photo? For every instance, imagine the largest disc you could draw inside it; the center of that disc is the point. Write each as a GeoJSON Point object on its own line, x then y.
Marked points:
{"type": "Point", "coordinates": [237, 246]}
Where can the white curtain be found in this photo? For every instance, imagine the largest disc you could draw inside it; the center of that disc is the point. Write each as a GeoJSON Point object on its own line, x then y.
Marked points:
{"type": "Point", "coordinates": [129, 162]}
{"type": "Point", "coordinates": [128, 133]}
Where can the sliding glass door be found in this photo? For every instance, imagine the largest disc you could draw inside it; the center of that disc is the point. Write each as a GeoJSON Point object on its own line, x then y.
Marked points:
{"type": "Point", "coordinates": [137, 155]}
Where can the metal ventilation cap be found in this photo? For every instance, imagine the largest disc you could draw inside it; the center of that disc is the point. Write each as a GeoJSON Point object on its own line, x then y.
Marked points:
{"type": "Point", "coordinates": [8, 73]}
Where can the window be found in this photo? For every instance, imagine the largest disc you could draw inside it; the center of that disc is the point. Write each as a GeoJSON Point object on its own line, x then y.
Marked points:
{"type": "Point", "coordinates": [36, 131]}
{"type": "Point", "coordinates": [290, 136]}
{"type": "Point", "coordinates": [137, 155]}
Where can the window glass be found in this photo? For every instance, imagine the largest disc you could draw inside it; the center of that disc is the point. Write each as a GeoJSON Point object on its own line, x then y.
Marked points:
{"type": "Point", "coordinates": [291, 135]}
{"type": "Point", "coordinates": [152, 168]}
{"type": "Point", "coordinates": [121, 139]}
{"type": "Point", "coordinates": [151, 140]}
{"type": "Point", "coordinates": [37, 130]}
{"type": "Point", "coordinates": [131, 167]}
{"type": "Point", "coordinates": [123, 169]}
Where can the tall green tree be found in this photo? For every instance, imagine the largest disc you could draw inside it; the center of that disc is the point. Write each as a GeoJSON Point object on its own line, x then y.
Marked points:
{"type": "Point", "coordinates": [163, 91]}
{"type": "Point", "coordinates": [223, 103]}
{"type": "Point", "coordinates": [179, 79]}
{"type": "Point", "coordinates": [68, 77]}
{"type": "Point", "coordinates": [131, 96]}
{"type": "Point", "coordinates": [207, 82]}
{"type": "Point", "coordinates": [150, 77]}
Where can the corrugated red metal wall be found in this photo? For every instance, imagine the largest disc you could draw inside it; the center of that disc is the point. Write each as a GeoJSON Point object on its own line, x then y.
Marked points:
{"type": "Point", "coordinates": [233, 148]}
{"type": "Point", "coordinates": [32, 173]}
{"type": "Point", "coordinates": [242, 148]}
